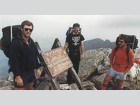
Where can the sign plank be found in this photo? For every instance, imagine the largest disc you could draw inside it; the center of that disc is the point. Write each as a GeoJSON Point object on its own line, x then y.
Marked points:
{"type": "Point", "coordinates": [57, 61]}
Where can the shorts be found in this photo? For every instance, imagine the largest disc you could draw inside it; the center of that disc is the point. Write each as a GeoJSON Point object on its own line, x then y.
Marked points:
{"type": "Point", "coordinates": [27, 77]}
{"type": "Point", "coordinates": [116, 74]}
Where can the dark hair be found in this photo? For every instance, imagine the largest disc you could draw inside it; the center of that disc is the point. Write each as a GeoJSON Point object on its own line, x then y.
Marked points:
{"type": "Point", "coordinates": [76, 25]}
{"type": "Point", "coordinates": [26, 22]}
{"type": "Point", "coordinates": [124, 37]}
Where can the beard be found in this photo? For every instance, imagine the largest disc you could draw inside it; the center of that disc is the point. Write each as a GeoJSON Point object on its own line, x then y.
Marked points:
{"type": "Point", "coordinates": [121, 46]}
{"type": "Point", "coordinates": [26, 35]}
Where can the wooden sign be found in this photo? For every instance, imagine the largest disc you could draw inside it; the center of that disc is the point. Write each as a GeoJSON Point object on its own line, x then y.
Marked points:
{"type": "Point", "coordinates": [57, 61]}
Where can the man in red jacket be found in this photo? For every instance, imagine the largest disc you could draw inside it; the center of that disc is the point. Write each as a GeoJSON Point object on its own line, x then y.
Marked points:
{"type": "Point", "coordinates": [121, 62]}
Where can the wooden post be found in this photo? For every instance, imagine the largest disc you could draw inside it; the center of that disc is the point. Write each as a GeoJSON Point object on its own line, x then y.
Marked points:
{"type": "Point", "coordinates": [56, 44]}
{"type": "Point", "coordinates": [76, 78]}
{"type": "Point", "coordinates": [52, 78]}
{"type": "Point", "coordinates": [53, 81]}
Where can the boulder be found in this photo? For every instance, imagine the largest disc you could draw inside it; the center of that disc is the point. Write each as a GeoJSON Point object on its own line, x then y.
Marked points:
{"type": "Point", "coordinates": [94, 59]}
{"type": "Point", "coordinates": [98, 80]}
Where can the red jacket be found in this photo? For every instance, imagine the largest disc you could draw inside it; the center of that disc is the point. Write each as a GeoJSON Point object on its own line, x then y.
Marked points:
{"type": "Point", "coordinates": [119, 59]}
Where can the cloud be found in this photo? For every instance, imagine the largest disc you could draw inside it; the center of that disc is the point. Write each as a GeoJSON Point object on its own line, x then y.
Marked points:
{"type": "Point", "coordinates": [49, 27]}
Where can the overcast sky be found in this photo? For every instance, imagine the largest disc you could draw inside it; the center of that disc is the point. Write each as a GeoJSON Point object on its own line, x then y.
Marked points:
{"type": "Point", "coordinates": [49, 27]}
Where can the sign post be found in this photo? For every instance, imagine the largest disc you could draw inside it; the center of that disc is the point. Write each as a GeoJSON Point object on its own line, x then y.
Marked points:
{"type": "Point", "coordinates": [56, 62]}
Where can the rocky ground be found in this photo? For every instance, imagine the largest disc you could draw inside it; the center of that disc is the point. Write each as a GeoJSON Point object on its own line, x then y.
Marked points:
{"type": "Point", "coordinates": [91, 72]}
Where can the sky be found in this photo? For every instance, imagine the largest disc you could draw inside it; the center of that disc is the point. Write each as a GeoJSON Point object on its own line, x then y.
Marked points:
{"type": "Point", "coordinates": [49, 27]}
{"type": "Point", "coordinates": [93, 26]}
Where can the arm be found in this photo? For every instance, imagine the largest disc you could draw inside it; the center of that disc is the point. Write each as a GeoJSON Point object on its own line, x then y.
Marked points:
{"type": "Point", "coordinates": [38, 71]}
{"type": "Point", "coordinates": [82, 51]}
{"type": "Point", "coordinates": [112, 54]}
{"type": "Point", "coordinates": [82, 48]}
{"type": "Point", "coordinates": [37, 64]}
{"type": "Point", "coordinates": [131, 60]}
{"type": "Point", "coordinates": [66, 45]}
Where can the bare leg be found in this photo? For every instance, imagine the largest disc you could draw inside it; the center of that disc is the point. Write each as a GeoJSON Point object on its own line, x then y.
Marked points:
{"type": "Point", "coordinates": [120, 84]}
{"type": "Point", "coordinates": [19, 88]}
{"type": "Point", "coordinates": [28, 87]}
{"type": "Point", "coordinates": [106, 81]}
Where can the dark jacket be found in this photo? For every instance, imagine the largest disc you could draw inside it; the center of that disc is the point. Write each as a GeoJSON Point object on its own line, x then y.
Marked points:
{"type": "Point", "coordinates": [23, 57]}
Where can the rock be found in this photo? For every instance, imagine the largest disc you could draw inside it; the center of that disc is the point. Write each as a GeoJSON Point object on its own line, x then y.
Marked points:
{"type": "Point", "coordinates": [64, 87]}
{"type": "Point", "coordinates": [133, 72]}
{"type": "Point", "coordinates": [133, 84]}
{"type": "Point", "coordinates": [7, 88]}
{"type": "Point", "coordinates": [103, 69]}
{"type": "Point", "coordinates": [4, 82]}
{"type": "Point", "coordinates": [86, 68]}
{"type": "Point", "coordinates": [86, 84]}
{"type": "Point", "coordinates": [62, 78]}
{"type": "Point", "coordinates": [93, 69]}
{"type": "Point", "coordinates": [94, 58]}
{"type": "Point", "coordinates": [98, 80]}
{"type": "Point", "coordinates": [42, 83]}
{"type": "Point", "coordinates": [10, 77]}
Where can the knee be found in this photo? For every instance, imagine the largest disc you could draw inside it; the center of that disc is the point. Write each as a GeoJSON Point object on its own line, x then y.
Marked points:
{"type": "Point", "coordinates": [107, 78]}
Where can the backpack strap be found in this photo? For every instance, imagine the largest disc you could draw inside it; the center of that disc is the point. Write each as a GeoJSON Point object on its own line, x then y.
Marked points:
{"type": "Point", "coordinates": [20, 41]}
{"type": "Point", "coordinates": [127, 52]}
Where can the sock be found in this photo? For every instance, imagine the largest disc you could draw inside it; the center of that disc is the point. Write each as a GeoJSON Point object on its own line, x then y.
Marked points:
{"type": "Point", "coordinates": [103, 88]}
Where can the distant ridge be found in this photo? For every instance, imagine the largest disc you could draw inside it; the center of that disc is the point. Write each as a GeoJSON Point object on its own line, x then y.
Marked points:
{"type": "Point", "coordinates": [98, 43]}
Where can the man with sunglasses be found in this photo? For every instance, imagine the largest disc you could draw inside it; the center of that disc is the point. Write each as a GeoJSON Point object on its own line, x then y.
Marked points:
{"type": "Point", "coordinates": [23, 57]}
{"type": "Point", "coordinates": [119, 63]}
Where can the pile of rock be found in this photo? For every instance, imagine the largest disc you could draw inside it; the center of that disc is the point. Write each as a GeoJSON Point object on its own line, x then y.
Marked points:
{"type": "Point", "coordinates": [94, 60]}
{"type": "Point", "coordinates": [92, 72]}
{"type": "Point", "coordinates": [5, 84]}
{"type": "Point", "coordinates": [96, 65]}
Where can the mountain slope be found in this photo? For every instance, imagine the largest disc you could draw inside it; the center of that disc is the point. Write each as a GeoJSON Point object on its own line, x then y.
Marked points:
{"type": "Point", "coordinates": [98, 43]}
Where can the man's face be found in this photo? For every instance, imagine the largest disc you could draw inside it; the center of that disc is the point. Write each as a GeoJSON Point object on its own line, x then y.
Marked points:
{"type": "Point", "coordinates": [27, 30]}
{"type": "Point", "coordinates": [76, 30]}
{"type": "Point", "coordinates": [121, 43]}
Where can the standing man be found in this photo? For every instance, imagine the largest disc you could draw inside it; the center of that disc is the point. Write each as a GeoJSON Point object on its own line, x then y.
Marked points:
{"type": "Point", "coordinates": [75, 49]}
{"type": "Point", "coordinates": [23, 57]}
{"type": "Point", "coordinates": [121, 61]}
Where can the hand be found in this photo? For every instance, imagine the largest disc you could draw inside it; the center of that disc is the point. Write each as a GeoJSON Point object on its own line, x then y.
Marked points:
{"type": "Point", "coordinates": [126, 71]}
{"type": "Point", "coordinates": [19, 81]}
{"type": "Point", "coordinates": [38, 73]}
{"type": "Point", "coordinates": [82, 57]}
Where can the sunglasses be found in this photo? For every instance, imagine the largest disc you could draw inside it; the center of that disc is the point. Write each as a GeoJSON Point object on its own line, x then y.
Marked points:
{"type": "Point", "coordinates": [28, 29]}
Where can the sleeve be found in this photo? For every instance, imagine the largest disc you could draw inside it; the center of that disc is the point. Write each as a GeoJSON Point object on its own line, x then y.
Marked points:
{"type": "Point", "coordinates": [82, 38]}
{"type": "Point", "coordinates": [14, 51]}
{"type": "Point", "coordinates": [68, 38]}
{"type": "Point", "coordinates": [37, 64]}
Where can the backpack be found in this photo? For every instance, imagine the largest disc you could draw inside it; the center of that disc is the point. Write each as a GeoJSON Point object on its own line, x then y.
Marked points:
{"type": "Point", "coordinates": [132, 42]}
{"type": "Point", "coordinates": [69, 31]}
{"type": "Point", "coordinates": [9, 33]}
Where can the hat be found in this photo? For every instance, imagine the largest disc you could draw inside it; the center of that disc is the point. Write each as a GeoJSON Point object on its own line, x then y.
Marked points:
{"type": "Point", "coordinates": [76, 25]}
